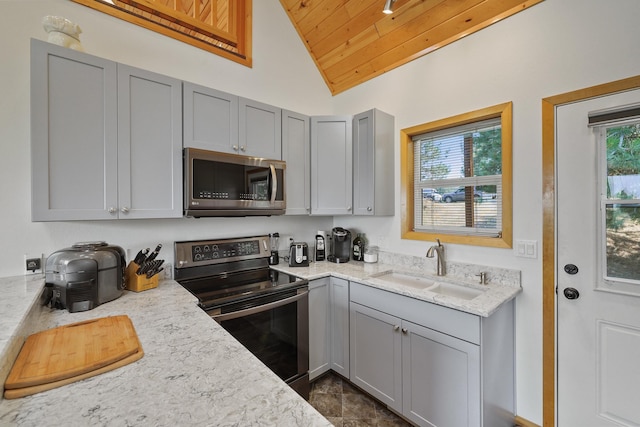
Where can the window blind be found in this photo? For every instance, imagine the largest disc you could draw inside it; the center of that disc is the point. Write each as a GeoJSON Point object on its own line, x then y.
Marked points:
{"type": "Point", "coordinates": [458, 179]}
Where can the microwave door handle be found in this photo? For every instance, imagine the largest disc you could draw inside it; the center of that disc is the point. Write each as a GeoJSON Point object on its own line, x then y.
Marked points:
{"type": "Point", "coordinates": [259, 309]}
{"type": "Point", "coordinates": [274, 183]}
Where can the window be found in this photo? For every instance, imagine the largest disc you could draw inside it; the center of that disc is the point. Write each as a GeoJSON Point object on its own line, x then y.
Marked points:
{"type": "Point", "coordinates": [619, 193]}
{"type": "Point", "coordinates": [222, 27]}
{"type": "Point", "coordinates": [457, 179]}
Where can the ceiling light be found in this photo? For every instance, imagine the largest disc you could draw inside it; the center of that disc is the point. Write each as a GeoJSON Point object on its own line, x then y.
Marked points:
{"type": "Point", "coordinates": [388, 7]}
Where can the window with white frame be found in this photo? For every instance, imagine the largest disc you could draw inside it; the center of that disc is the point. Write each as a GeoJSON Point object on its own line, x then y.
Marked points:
{"type": "Point", "coordinates": [618, 134]}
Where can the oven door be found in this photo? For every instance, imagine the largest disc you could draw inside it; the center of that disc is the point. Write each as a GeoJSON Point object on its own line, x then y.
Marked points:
{"type": "Point", "coordinates": [275, 328]}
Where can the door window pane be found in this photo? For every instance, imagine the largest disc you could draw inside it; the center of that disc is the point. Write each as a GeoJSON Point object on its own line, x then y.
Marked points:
{"type": "Point", "coordinates": [621, 207]}
{"type": "Point", "coordinates": [623, 241]}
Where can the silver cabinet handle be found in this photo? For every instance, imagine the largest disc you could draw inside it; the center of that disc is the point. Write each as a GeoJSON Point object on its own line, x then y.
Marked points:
{"type": "Point", "coordinates": [349, 208]}
{"type": "Point", "coordinates": [369, 209]}
{"type": "Point", "coordinates": [112, 210]}
{"type": "Point", "coordinates": [242, 148]}
{"type": "Point", "coordinates": [396, 327]}
{"type": "Point", "coordinates": [235, 147]}
{"type": "Point", "coordinates": [405, 330]}
{"type": "Point", "coordinates": [125, 209]}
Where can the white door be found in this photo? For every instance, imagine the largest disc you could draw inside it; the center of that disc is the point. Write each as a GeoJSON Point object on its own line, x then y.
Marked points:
{"type": "Point", "coordinates": [598, 320]}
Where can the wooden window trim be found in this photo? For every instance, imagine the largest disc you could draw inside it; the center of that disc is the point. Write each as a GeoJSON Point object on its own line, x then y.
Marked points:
{"type": "Point", "coordinates": [240, 35]}
{"type": "Point", "coordinates": [505, 112]}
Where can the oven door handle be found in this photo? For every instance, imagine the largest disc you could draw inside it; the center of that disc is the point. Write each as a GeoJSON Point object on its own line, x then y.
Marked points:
{"type": "Point", "coordinates": [259, 309]}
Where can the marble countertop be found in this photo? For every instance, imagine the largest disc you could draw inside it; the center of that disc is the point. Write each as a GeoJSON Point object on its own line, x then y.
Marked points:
{"type": "Point", "coordinates": [192, 373]}
{"type": "Point", "coordinates": [493, 296]}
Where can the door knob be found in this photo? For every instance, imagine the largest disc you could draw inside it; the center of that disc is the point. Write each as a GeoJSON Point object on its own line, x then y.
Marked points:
{"type": "Point", "coordinates": [571, 293]}
{"type": "Point", "coordinates": [571, 269]}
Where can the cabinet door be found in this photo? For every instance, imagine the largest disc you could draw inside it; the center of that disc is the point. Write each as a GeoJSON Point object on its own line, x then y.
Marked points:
{"type": "Point", "coordinates": [340, 326]}
{"type": "Point", "coordinates": [296, 152]}
{"type": "Point", "coordinates": [319, 327]}
{"type": "Point", "coordinates": [149, 144]}
{"type": "Point", "coordinates": [210, 119]}
{"type": "Point", "coordinates": [331, 165]}
{"type": "Point", "coordinates": [376, 364]}
{"type": "Point", "coordinates": [260, 133]}
{"type": "Point", "coordinates": [73, 134]}
{"type": "Point", "coordinates": [441, 378]}
{"type": "Point", "coordinates": [373, 163]}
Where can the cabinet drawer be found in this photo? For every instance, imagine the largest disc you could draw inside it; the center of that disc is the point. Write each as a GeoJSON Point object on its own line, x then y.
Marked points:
{"type": "Point", "coordinates": [446, 320]}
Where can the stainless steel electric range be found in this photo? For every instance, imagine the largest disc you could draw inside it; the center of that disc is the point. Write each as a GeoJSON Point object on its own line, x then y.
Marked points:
{"type": "Point", "coordinates": [265, 310]}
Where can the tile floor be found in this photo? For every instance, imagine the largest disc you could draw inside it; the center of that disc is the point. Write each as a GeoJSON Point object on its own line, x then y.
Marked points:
{"type": "Point", "coordinates": [346, 406]}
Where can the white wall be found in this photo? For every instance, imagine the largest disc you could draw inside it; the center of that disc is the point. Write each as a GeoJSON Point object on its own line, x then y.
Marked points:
{"type": "Point", "coordinates": [283, 74]}
{"type": "Point", "coordinates": [555, 47]}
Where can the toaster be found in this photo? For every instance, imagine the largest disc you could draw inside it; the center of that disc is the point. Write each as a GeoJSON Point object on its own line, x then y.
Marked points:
{"type": "Point", "coordinates": [298, 254]}
{"type": "Point", "coordinates": [84, 276]}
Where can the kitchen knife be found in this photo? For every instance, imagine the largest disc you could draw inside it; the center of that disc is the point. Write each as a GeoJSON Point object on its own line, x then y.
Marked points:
{"type": "Point", "coordinates": [141, 256]}
{"type": "Point", "coordinates": [155, 252]}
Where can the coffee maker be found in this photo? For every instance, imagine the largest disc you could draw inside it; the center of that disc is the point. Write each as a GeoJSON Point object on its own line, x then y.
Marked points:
{"type": "Point", "coordinates": [340, 245]}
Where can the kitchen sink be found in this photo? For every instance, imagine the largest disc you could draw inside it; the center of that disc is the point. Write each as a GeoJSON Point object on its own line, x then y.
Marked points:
{"type": "Point", "coordinates": [427, 284]}
{"type": "Point", "coordinates": [457, 291]}
{"type": "Point", "coordinates": [403, 279]}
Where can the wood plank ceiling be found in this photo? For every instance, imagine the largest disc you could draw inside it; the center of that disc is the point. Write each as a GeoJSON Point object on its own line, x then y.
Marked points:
{"type": "Point", "coordinates": [352, 41]}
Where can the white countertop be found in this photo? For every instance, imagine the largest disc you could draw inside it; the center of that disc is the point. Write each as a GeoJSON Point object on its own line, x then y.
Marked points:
{"type": "Point", "coordinates": [192, 373]}
{"type": "Point", "coordinates": [493, 296]}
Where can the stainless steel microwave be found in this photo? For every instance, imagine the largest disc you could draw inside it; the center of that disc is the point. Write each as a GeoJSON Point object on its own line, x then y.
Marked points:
{"type": "Point", "coordinates": [222, 184]}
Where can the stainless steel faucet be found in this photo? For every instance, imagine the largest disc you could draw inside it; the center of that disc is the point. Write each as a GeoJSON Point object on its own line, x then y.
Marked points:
{"type": "Point", "coordinates": [441, 268]}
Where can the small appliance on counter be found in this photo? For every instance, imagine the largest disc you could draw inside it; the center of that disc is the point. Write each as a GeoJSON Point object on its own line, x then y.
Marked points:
{"type": "Point", "coordinates": [340, 245]}
{"type": "Point", "coordinates": [320, 254]}
{"type": "Point", "coordinates": [298, 254]}
{"type": "Point", "coordinates": [84, 276]}
{"type": "Point", "coordinates": [274, 240]}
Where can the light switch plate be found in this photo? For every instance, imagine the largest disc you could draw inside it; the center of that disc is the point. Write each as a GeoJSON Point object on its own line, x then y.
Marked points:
{"type": "Point", "coordinates": [526, 248]}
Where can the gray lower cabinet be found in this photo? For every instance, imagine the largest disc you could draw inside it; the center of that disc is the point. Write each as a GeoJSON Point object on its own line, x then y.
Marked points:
{"type": "Point", "coordinates": [319, 327]}
{"type": "Point", "coordinates": [331, 165]}
{"type": "Point", "coordinates": [434, 365]}
{"type": "Point", "coordinates": [340, 326]}
{"type": "Point", "coordinates": [106, 139]}
{"type": "Point", "coordinates": [296, 151]}
{"type": "Point", "coordinates": [373, 163]}
{"type": "Point", "coordinates": [328, 326]}
{"type": "Point", "coordinates": [210, 119]}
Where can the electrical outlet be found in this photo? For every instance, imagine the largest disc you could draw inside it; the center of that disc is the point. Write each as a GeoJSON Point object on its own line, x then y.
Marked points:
{"type": "Point", "coordinates": [168, 271]}
{"type": "Point", "coordinates": [33, 263]}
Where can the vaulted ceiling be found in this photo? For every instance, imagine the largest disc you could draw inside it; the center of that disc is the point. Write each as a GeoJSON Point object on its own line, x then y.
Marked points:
{"type": "Point", "coordinates": [352, 41]}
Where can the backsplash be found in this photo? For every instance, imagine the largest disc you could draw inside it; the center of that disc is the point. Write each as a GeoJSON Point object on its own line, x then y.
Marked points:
{"type": "Point", "coordinates": [469, 272]}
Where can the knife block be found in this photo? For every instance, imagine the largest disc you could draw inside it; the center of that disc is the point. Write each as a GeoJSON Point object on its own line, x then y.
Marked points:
{"type": "Point", "coordinates": [139, 283]}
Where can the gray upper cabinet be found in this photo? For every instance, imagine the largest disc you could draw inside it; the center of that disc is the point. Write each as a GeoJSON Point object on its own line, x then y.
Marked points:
{"type": "Point", "coordinates": [331, 165]}
{"type": "Point", "coordinates": [74, 151]}
{"type": "Point", "coordinates": [106, 139]}
{"type": "Point", "coordinates": [260, 132]}
{"type": "Point", "coordinates": [373, 163]}
{"type": "Point", "coordinates": [210, 119]}
{"type": "Point", "coordinates": [149, 144]}
{"type": "Point", "coordinates": [296, 151]}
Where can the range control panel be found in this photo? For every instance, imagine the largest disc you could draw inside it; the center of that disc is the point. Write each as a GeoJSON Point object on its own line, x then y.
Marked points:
{"type": "Point", "coordinates": [204, 252]}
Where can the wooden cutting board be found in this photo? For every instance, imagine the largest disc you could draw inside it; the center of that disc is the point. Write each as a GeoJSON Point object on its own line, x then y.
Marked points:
{"type": "Point", "coordinates": [72, 352]}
